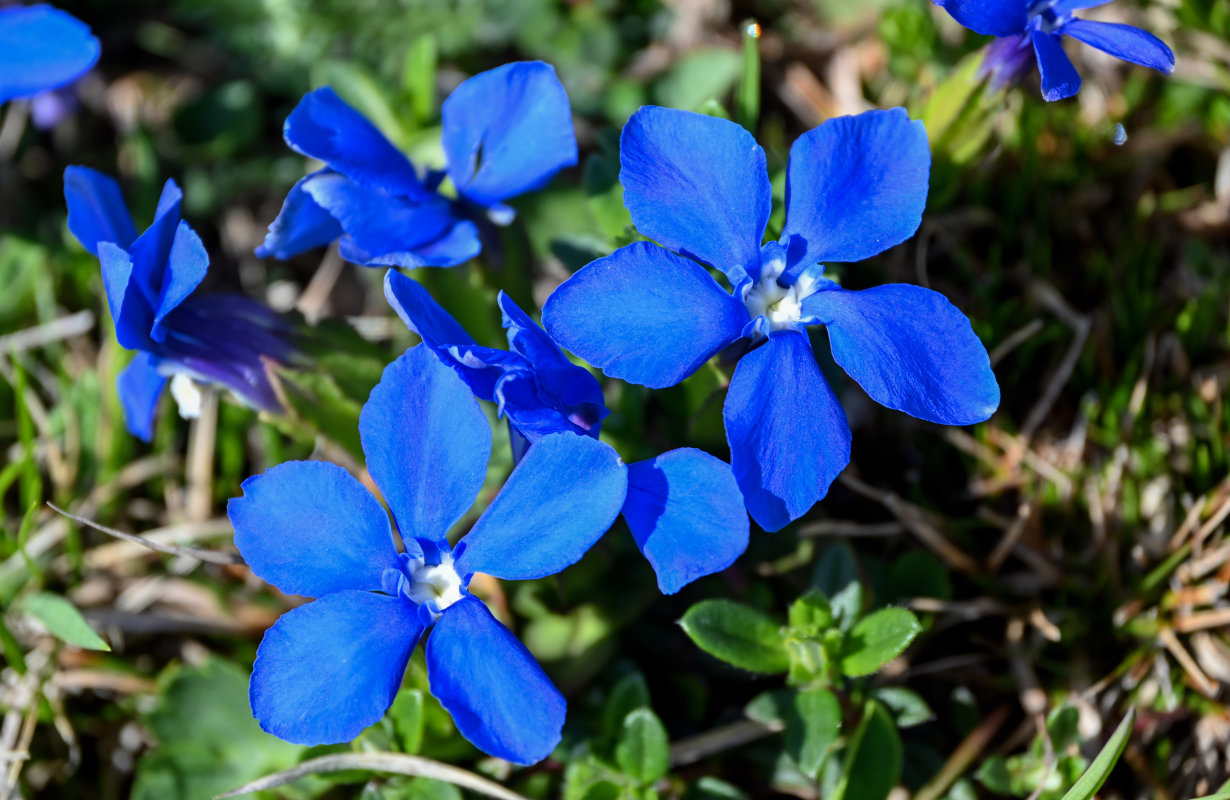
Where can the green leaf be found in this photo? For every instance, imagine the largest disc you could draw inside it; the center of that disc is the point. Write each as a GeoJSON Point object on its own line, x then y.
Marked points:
{"type": "Point", "coordinates": [62, 620]}
{"type": "Point", "coordinates": [408, 719]}
{"type": "Point", "coordinates": [812, 728]}
{"type": "Point", "coordinates": [810, 615]}
{"type": "Point", "coordinates": [317, 400]}
{"type": "Point", "coordinates": [698, 76]}
{"type": "Point", "coordinates": [877, 639]}
{"type": "Point", "coordinates": [1089, 783]}
{"type": "Point", "coordinates": [737, 634]}
{"type": "Point", "coordinates": [907, 706]}
{"type": "Point", "coordinates": [747, 98]}
{"type": "Point", "coordinates": [874, 758]}
{"type": "Point", "coordinates": [208, 741]}
{"type": "Point", "coordinates": [643, 751]}
{"type": "Point", "coordinates": [708, 787]}
{"type": "Point", "coordinates": [628, 694]}
{"type": "Point", "coordinates": [836, 577]}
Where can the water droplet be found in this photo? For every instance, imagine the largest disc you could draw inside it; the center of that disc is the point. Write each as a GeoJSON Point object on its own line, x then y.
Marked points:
{"type": "Point", "coordinates": [1118, 135]}
{"type": "Point", "coordinates": [753, 30]}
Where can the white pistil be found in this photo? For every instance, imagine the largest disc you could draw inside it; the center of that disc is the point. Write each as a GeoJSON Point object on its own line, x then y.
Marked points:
{"type": "Point", "coordinates": [781, 305]}
{"type": "Point", "coordinates": [437, 586]}
{"type": "Point", "coordinates": [187, 395]}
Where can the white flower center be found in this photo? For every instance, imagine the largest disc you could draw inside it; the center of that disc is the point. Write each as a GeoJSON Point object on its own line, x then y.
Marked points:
{"type": "Point", "coordinates": [781, 305]}
{"type": "Point", "coordinates": [437, 586]}
{"type": "Point", "coordinates": [187, 395]}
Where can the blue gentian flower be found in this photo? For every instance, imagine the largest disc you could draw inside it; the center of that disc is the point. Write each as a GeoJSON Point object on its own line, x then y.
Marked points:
{"type": "Point", "coordinates": [505, 132]}
{"type": "Point", "coordinates": [1039, 26]}
{"type": "Point", "coordinates": [42, 48]}
{"type": "Point", "coordinates": [181, 336]}
{"type": "Point", "coordinates": [328, 669]}
{"type": "Point", "coordinates": [697, 185]}
{"type": "Point", "coordinates": [683, 507]}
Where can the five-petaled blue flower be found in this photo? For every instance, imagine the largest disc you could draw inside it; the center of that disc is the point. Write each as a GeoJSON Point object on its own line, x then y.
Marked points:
{"type": "Point", "coordinates": [181, 336]}
{"type": "Point", "coordinates": [1039, 26]}
{"type": "Point", "coordinates": [42, 48]}
{"type": "Point", "coordinates": [698, 186]}
{"type": "Point", "coordinates": [328, 669]}
{"type": "Point", "coordinates": [505, 131]}
{"type": "Point", "coordinates": [683, 508]}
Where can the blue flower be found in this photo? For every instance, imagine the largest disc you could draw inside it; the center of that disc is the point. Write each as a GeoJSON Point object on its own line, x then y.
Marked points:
{"type": "Point", "coordinates": [683, 507]}
{"type": "Point", "coordinates": [697, 185]}
{"type": "Point", "coordinates": [328, 669]}
{"type": "Point", "coordinates": [1041, 25]}
{"type": "Point", "coordinates": [181, 337]}
{"type": "Point", "coordinates": [505, 132]}
{"type": "Point", "coordinates": [42, 48]}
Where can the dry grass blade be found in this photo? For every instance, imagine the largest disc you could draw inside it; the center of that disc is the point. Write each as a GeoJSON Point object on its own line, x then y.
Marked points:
{"type": "Point", "coordinates": [397, 763]}
{"type": "Point", "coordinates": [212, 556]}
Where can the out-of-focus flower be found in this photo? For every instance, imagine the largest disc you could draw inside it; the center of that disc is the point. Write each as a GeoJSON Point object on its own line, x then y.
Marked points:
{"type": "Point", "coordinates": [181, 336]}
{"type": "Point", "coordinates": [42, 48]}
{"type": "Point", "coordinates": [328, 669]}
{"type": "Point", "coordinates": [505, 132]}
{"type": "Point", "coordinates": [683, 507]}
{"type": "Point", "coordinates": [1034, 29]}
{"type": "Point", "coordinates": [697, 185]}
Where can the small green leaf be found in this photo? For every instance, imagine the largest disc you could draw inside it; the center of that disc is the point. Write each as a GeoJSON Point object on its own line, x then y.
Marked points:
{"type": "Point", "coordinates": [408, 720]}
{"type": "Point", "coordinates": [836, 577]}
{"type": "Point", "coordinates": [628, 694]}
{"type": "Point", "coordinates": [698, 76]}
{"type": "Point", "coordinates": [812, 728]}
{"type": "Point", "coordinates": [874, 758]}
{"type": "Point", "coordinates": [1089, 783]}
{"type": "Point", "coordinates": [906, 706]}
{"type": "Point", "coordinates": [877, 639]}
{"type": "Point", "coordinates": [62, 620]}
{"type": "Point", "coordinates": [810, 615]}
{"type": "Point", "coordinates": [643, 752]}
{"type": "Point", "coordinates": [708, 787]}
{"type": "Point", "coordinates": [737, 634]}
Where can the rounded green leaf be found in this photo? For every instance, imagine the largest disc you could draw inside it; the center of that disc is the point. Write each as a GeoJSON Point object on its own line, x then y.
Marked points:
{"type": "Point", "coordinates": [643, 751]}
{"type": "Point", "coordinates": [737, 634]}
{"type": "Point", "coordinates": [874, 757]}
{"type": "Point", "coordinates": [877, 639]}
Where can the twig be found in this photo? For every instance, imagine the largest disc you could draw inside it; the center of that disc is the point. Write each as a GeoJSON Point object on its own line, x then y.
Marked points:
{"type": "Point", "coordinates": [1015, 340]}
{"type": "Point", "coordinates": [54, 331]}
{"type": "Point", "coordinates": [913, 518]}
{"type": "Point", "coordinates": [702, 745]}
{"type": "Point", "coordinates": [212, 556]}
{"type": "Point", "coordinates": [316, 295]}
{"type": "Point", "coordinates": [1206, 687]}
{"type": "Point", "coordinates": [200, 467]}
{"type": "Point", "coordinates": [963, 756]}
{"type": "Point", "coordinates": [844, 528]}
{"type": "Point", "coordinates": [1047, 296]}
{"type": "Point", "coordinates": [397, 763]}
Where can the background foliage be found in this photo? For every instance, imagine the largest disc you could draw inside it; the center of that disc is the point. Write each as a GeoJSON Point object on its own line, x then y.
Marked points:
{"type": "Point", "coordinates": [1062, 564]}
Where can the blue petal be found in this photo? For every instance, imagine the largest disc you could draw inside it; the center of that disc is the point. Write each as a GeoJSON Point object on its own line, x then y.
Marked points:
{"type": "Point", "coordinates": [324, 127]}
{"type": "Point", "coordinates": [788, 435]}
{"type": "Point", "coordinates": [140, 386]}
{"type": "Point", "coordinates": [856, 187]}
{"type": "Point", "coordinates": [686, 513]}
{"type": "Point", "coordinates": [499, 697]}
{"type": "Point", "coordinates": [96, 210]}
{"type": "Point", "coordinates": [328, 669]}
{"type": "Point", "coordinates": [1124, 42]}
{"type": "Point", "coordinates": [479, 367]}
{"type": "Point", "coordinates": [131, 313]}
{"type": "Point", "coordinates": [42, 48]}
{"type": "Point", "coordinates": [507, 131]}
{"type": "Point", "coordinates": [1059, 78]}
{"type": "Point", "coordinates": [186, 267]}
{"type": "Point", "coordinates": [301, 225]}
{"type": "Point", "coordinates": [427, 443]}
{"type": "Point", "coordinates": [559, 500]}
{"type": "Point", "coordinates": [988, 17]}
{"type": "Point", "coordinates": [310, 528]}
{"type": "Point", "coordinates": [1065, 7]}
{"type": "Point", "coordinates": [698, 185]}
{"type": "Point", "coordinates": [911, 350]}
{"type": "Point", "coordinates": [644, 314]}
{"type": "Point", "coordinates": [391, 230]}
{"type": "Point", "coordinates": [569, 390]}
{"type": "Point", "coordinates": [151, 252]}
